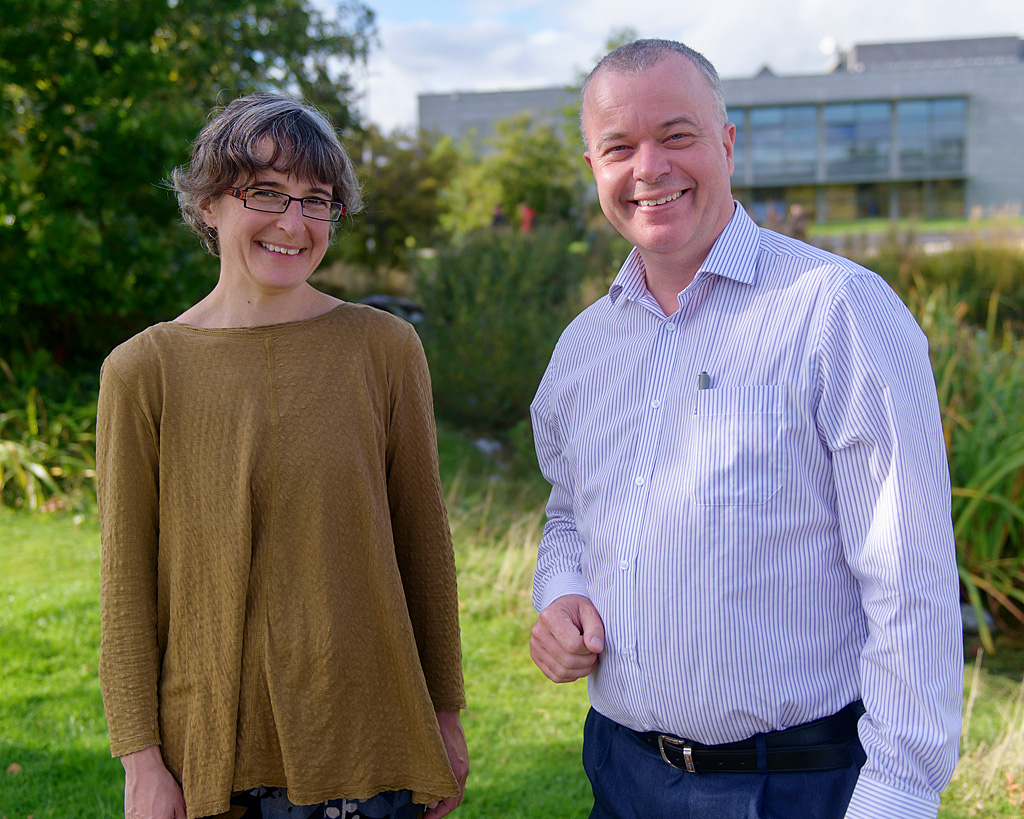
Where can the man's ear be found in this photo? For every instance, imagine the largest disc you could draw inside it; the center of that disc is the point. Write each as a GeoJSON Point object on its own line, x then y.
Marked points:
{"type": "Point", "coordinates": [729, 143]}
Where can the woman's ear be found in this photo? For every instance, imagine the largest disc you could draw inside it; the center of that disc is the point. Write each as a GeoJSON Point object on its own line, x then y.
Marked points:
{"type": "Point", "coordinates": [207, 212]}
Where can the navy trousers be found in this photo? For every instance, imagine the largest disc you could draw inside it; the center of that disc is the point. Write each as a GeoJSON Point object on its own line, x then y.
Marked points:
{"type": "Point", "coordinates": [631, 781]}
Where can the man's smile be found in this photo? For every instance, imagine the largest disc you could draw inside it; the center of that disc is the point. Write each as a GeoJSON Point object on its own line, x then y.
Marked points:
{"type": "Point", "coordinates": [650, 203]}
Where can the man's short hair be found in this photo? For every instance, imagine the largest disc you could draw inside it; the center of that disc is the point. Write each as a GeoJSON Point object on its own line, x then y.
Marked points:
{"type": "Point", "coordinates": [305, 145]}
{"type": "Point", "coordinates": [640, 55]}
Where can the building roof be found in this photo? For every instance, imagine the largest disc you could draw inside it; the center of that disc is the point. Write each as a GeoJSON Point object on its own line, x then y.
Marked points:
{"type": "Point", "coordinates": [935, 53]}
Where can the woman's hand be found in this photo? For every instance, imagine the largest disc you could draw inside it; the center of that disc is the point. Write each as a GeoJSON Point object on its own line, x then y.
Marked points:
{"type": "Point", "coordinates": [458, 756]}
{"type": "Point", "coordinates": [150, 792]}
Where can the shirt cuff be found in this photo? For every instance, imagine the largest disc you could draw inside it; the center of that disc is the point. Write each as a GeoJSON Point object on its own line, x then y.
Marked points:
{"type": "Point", "coordinates": [873, 800]}
{"type": "Point", "coordinates": [559, 586]}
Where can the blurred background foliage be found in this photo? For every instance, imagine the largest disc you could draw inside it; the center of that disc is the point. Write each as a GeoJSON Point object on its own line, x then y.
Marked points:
{"type": "Point", "coordinates": [99, 100]}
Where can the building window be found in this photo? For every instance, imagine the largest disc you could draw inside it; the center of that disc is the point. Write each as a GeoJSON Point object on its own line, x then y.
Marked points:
{"type": "Point", "coordinates": [772, 207]}
{"type": "Point", "coordinates": [937, 199]}
{"type": "Point", "coordinates": [857, 139]}
{"type": "Point", "coordinates": [739, 154]}
{"type": "Point", "coordinates": [931, 136]}
{"type": "Point", "coordinates": [783, 142]}
{"type": "Point", "coordinates": [848, 202]}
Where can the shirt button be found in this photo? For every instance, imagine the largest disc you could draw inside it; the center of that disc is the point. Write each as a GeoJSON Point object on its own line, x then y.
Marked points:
{"type": "Point", "coordinates": [670, 328]}
{"type": "Point", "coordinates": [639, 480]}
{"type": "Point", "coordinates": [623, 564]}
{"type": "Point", "coordinates": [655, 403]}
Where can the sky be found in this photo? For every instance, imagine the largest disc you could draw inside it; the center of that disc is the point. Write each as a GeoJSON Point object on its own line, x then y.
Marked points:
{"type": "Point", "coordinates": [442, 46]}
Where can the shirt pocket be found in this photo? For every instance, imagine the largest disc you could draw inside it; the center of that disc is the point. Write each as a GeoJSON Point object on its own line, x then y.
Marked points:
{"type": "Point", "coordinates": [737, 456]}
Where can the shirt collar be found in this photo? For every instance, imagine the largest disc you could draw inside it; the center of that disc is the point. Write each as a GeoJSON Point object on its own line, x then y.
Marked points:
{"type": "Point", "coordinates": [733, 255]}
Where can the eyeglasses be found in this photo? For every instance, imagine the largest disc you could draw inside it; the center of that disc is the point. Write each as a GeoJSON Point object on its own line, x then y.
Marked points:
{"type": "Point", "coordinates": [277, 202]}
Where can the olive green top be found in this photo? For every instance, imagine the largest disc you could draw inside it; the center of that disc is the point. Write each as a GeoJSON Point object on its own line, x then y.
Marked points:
{"type": "Point", "coordinates": [278, 586]}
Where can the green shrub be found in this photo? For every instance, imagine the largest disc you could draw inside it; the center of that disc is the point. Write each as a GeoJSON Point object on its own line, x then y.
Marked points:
{"type": "Point", "coordinates": [974, 275]}
{"type": "Point", "coordinates": [979, 373]}
{"type": "Point", "coordinates": [47, 435]}
{"type": "Point", "coordinates": [495, 307]}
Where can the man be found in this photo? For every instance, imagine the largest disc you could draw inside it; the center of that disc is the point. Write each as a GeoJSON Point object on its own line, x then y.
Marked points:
{"type": "Point", "coordinates": [748, 547]}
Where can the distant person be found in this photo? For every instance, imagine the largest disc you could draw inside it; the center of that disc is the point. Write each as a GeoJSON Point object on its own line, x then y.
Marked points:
{"type": "Point", "coordinates": [498, 217]}
{"type": "Point", "coordinates": [748, 547]}
{"type": "Point", "coordinates": [279, 616]}
{"type": "Point", "coordinates": [526, 218]}
{"type": "Point", "coordinates": [796, 223]}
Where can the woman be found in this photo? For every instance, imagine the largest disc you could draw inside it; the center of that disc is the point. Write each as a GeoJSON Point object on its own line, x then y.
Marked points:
{"type": "Point", "coordinates": [279, 615]}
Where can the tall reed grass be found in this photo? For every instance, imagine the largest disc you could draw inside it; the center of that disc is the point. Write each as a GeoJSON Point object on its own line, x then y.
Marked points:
{"type": "Point", "coordinates": [979, 372]}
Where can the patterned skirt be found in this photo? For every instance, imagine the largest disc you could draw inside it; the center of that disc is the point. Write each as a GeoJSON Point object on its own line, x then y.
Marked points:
{"type": "Point", "coordinates": [273, 803]}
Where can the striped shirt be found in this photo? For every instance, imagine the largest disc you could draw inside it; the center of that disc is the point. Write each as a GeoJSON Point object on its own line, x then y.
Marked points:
{"type": "Point", "coordinates": [772, 541]}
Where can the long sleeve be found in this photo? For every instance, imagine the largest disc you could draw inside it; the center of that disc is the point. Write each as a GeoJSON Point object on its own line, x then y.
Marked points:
{"type": "Point", "coordinates": [127, 474]}
{"type": "Point", "coordinates": [559, 556]}
{"type": "Point", "coordinates": [420, 525]}
{"type": "Point", "coordinates": [879, 414]}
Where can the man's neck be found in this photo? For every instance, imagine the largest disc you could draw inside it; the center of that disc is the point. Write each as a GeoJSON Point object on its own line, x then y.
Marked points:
{"type": "Point", "coordinates": [666, 281]}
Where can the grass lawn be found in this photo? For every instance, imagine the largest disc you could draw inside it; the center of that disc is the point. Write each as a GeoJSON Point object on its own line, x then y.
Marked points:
{"type": "Point", "coordinates": [524, 732]}
{"type": "Point", "coordinates": [919, 227]}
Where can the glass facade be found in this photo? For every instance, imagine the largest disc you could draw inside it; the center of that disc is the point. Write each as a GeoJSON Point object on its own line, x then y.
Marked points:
{"type": "Point", "coordinates": [850, 160]}
{"type": "Point", "coordinates": [783, 142]}
{"type": "Point", "coordinates": [858, 138]}
{"type": "Point", "coordinates": [930, 135]}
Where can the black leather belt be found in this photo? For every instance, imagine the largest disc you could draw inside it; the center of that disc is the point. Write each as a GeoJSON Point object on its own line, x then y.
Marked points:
{"type": "Point", "coordinates": [814, 746]}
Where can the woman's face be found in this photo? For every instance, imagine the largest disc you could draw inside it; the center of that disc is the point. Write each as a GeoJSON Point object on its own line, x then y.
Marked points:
{"type": "Point", "coordinates": [269, 253]}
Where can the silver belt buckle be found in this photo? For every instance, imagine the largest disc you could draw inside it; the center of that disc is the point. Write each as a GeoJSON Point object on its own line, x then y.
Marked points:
{"type": "Point", "coordinates": [677, 743]}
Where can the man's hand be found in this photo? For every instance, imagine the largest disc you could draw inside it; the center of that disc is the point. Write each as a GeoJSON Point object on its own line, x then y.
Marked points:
{"type": "Point", "coordinates": [458, 755]}
{"type": "Point", "coordinates": [150, 792]}
{"type": "Point", "coordinates": [566, 639]}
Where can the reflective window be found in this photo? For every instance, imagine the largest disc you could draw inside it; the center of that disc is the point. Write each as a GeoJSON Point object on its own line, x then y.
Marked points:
{"type": "Point", "coordinates": [850, 202]}
{"type": "Point", "coordinates": [783, 142]}
{"type": "Point", "coordinates": [857, 139]}
{"type": "Point", "coordinates": [931, 136]}
{"type": "Point", "coordinates": [739, 155]}
{"type": "Point", "coordinates": [939, 199]}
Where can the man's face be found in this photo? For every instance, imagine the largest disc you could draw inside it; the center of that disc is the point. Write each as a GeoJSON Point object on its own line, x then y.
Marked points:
{"type": "Point", "coordinates": [662, 159]}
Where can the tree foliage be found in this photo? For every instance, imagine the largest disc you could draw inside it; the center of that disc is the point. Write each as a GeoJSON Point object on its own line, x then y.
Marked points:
{"type": "Point", "coordinates": [99, 99]}
{"type": "Point", "coordinates": [539, 165]}
{"type": "Point", "coordinates": [403, 177]}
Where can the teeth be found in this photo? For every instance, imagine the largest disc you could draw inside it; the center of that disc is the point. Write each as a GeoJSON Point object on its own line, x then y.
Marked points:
{"type": "Point", "coordinates": [649, 203]}
{"type": "Point", "coordinates": [287, 251]}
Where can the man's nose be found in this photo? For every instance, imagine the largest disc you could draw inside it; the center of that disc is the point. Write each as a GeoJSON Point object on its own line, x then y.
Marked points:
{"type": "Point", "coordinates": [651, 163]}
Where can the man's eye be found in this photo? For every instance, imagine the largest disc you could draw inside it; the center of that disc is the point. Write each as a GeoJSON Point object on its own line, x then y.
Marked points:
{"type": "Point", "coordinates": [264, 196]}
{"type": "Point", "coordinates": [316, 204]}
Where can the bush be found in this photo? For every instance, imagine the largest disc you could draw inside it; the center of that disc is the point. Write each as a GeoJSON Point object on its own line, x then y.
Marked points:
{"type": "Point", "coordinates": [974, 276]}
{"type": "Point", "coordinates": [495, 305]}
{"type": "Point", "coordinates": [47, 444]}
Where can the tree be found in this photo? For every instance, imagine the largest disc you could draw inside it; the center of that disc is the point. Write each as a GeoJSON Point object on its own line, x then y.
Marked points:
{"type": "Point", "coordinates": [403, 176]}
{"type": "Point", "coordinates": [539, 165]}
{"type": "Point", "coordinates": [99, 99]}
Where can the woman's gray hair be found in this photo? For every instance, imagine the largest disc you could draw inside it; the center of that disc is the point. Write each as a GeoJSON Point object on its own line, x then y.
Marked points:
{"type": "Point", "coordinates": [640, 55]}
{"type": "Point", "coordinates": [224, 155]}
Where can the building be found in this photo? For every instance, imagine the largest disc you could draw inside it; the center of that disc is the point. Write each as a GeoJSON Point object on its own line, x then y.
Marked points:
{"type": "Point", "coordinates": [474, 114]}
{"type": "Point", "coordinates": [919, 129]}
